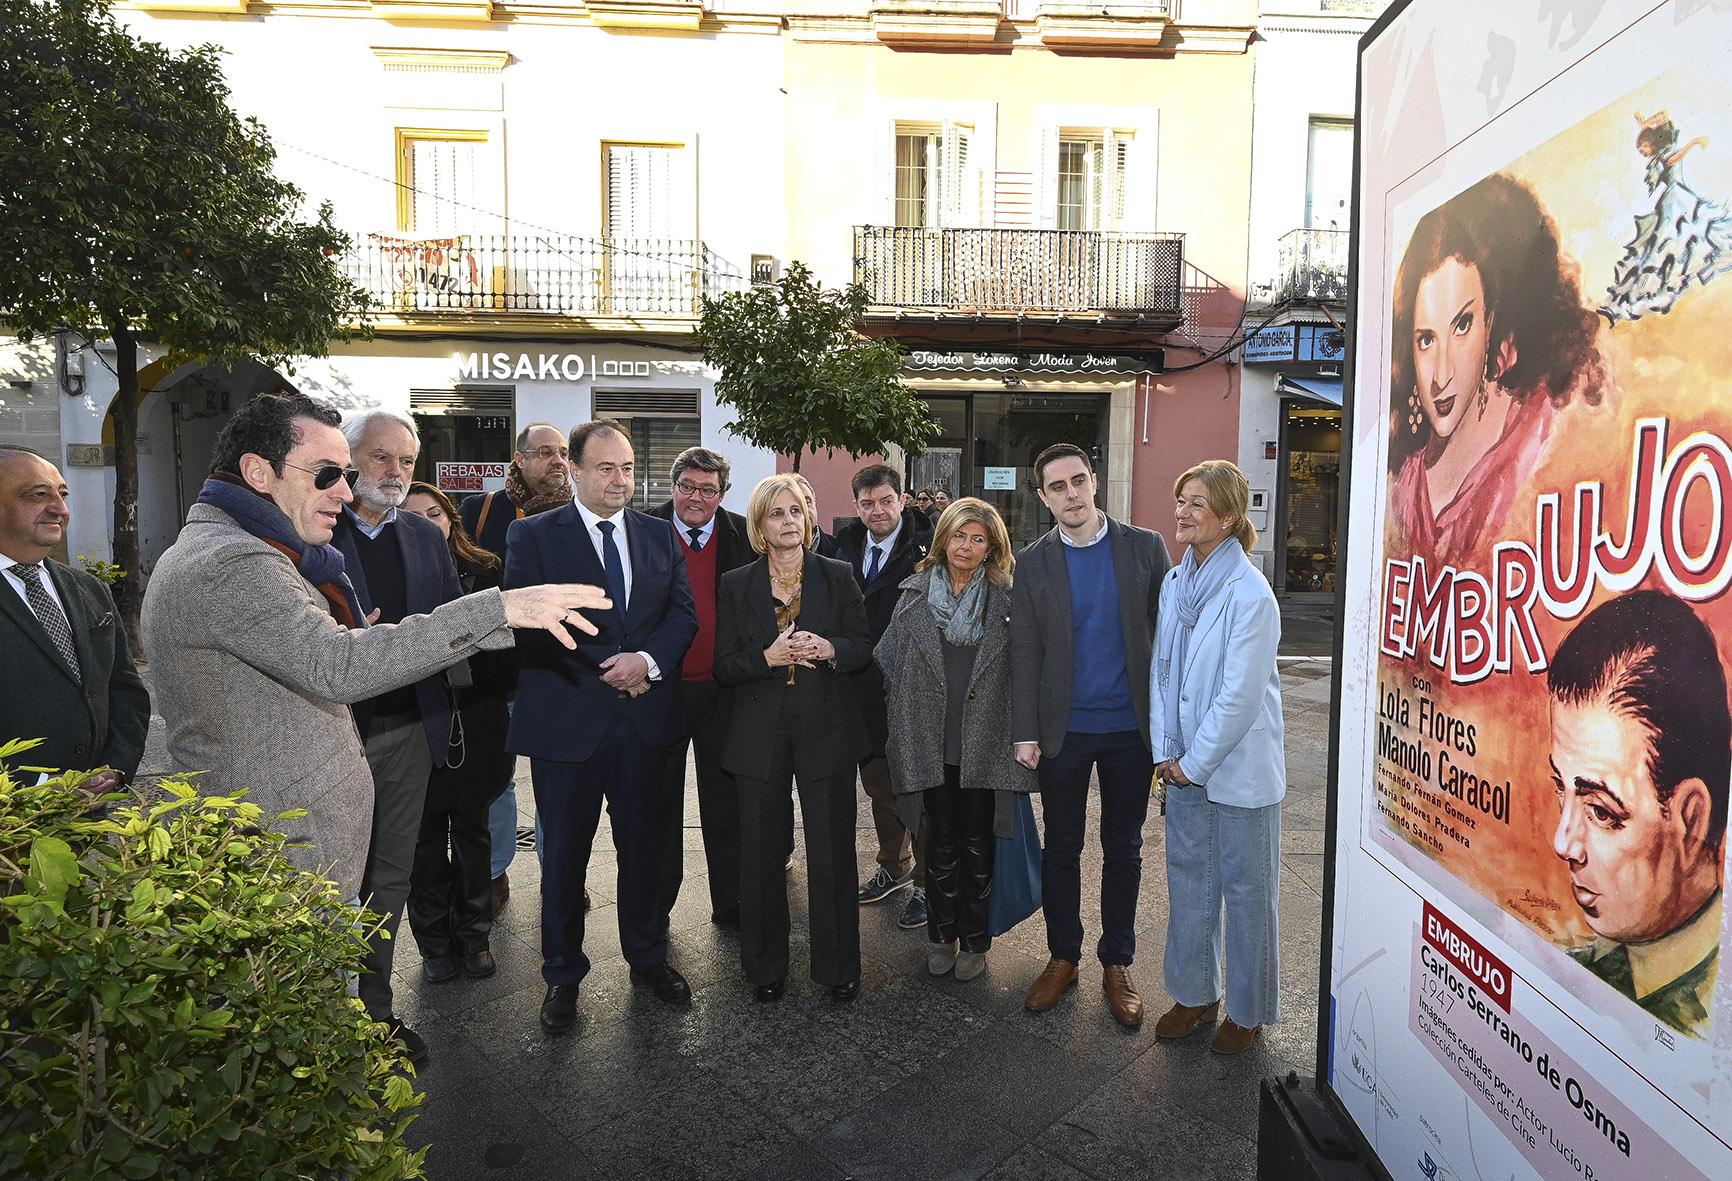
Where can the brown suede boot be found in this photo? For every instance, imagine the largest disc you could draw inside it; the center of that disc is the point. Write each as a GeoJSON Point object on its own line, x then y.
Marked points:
{"type": "Point", "coordinates": [1183, 1020]}
{"type": "Point", "coordinates": [1232, 1038]}
{"type": "Point", "coordinates": [1122, 998]}
{"type": "Point", "coordinates": [1050, 986]}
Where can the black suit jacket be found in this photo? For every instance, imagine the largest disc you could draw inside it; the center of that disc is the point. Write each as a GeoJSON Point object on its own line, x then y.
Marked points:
{"type": "Point", "coordinates": [431, 579]}
{"type": "Point", "coordinates": [100, 723]}
{"type": "Point", "coordinates": [499, 518]}
{"type": "Point", "coordinates": [833, 739]}
{"type": "Point", "coordinates": [563, 707]}
{"type": "Point", "coordinates": [881, 594]}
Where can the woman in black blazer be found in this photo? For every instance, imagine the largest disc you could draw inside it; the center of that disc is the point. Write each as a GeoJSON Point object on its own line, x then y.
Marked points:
{"type": "Point", "coordinates": [788, 629]}
{"type": "Point", "coordinates": [451, 884]}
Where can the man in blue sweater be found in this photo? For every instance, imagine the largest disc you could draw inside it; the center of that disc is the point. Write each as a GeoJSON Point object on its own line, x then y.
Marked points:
{"type": "Point", "coordinates": [1081, 632]}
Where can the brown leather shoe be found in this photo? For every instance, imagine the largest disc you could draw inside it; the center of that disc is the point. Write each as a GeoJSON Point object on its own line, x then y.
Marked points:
{"type": "Point", "coordinates": [1122, 996]}
{"type": "Point", "coordinates": [1234, 1039]}
{"type": "Point", "coordinates": [1050, 986]}
{"type": "Point", "coordinates": [1183, 1020]}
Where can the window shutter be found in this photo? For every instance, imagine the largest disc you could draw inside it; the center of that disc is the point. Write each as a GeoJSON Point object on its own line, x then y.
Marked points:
{"type": "Point", "coordinates": [443, 174]}
{"type": "Point", "coordinates": [1046, 191]}
{"type": "Point", "coordinates": [1118, 179]}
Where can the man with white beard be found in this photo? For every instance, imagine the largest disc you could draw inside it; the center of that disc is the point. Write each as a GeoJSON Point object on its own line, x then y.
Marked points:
{"type": "Point", "coordinates": [401, 566]}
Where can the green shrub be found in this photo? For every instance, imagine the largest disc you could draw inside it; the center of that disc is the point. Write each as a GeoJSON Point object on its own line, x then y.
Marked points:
{"type": "Point", "coordinates": [108, 572]}
{"type": "Point", "coordinates": [172, 998]}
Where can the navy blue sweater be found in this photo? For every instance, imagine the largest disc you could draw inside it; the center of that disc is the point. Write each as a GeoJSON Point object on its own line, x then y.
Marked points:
{"type": "Point", "coordinates": [1100, 687]}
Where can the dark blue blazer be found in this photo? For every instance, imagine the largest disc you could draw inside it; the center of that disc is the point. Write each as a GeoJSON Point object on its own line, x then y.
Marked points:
{"type": "Point", "coordinates": [562, 707]}
{"type": "Point", "coordinates": [431, 579]}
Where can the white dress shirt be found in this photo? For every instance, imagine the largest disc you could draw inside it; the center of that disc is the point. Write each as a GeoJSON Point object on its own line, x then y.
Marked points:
{"type": "Point", "coordinates": [17, 583]}
{"type": "Point", "coordinates": [1099, 533]}
{"type": "Point", "coordinates": [888, 544]}
{"type": "Point", "coordinates": [590, 521]}
{"type": "Point", "coordinates": [706, 531]}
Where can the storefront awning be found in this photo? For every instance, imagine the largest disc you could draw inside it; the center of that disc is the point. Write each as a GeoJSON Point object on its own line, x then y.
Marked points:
{"type": "Point", "coordinates": [1326, 390]}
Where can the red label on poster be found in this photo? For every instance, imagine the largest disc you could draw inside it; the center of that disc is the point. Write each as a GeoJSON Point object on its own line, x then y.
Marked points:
{"type": "Point", "coordinates": [1488, 973]}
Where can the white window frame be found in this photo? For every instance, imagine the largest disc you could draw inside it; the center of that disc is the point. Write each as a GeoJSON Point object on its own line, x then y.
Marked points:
{"type": "Point", "coordinates": [963, 200]}
{"type": "Point", "coordinates": [1133, 207]}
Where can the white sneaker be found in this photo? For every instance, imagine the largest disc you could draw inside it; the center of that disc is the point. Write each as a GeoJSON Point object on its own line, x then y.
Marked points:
{"type": "Point", "coordinates": [940, 958]}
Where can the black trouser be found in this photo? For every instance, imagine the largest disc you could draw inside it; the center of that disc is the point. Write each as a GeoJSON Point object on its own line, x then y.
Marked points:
{"type": "Point", "coordinates": [1125, 769]}
{"type": "Point", "coordinates": [451, 894]}
{"type": "Point", "coordinates": [959, 850]}
{"type": "Point", "coordinates": [766, 828]}
{"type": "Point", "coordinates": [718, 804]}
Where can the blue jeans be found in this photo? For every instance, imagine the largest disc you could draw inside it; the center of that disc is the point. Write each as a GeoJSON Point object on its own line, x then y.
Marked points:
{"type": "Point", "coordinates": [1223, 863]}
{"type": "Point", "coordinates": [1125, 770]}
{"type": "Point", "coordinates": [502, 823]}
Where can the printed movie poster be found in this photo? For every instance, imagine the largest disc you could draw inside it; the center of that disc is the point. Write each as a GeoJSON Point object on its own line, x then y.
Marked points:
{"type": "Point", "coordinates": [1538, 652]}
{"type": "Point", "coordinates": [1554, 727]}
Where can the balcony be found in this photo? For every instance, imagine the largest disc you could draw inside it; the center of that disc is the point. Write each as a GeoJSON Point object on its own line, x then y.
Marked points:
{"type": "Point", "coordinates": [550, 275]}
{"type": "Point", "coordinates": [1022, 271]}
{"type": "Point", "coordinates": [1312, 268]}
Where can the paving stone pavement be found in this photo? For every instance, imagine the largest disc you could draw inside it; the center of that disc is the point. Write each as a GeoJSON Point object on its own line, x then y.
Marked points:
{"type": "Point", "coordinates": [920, 1078]}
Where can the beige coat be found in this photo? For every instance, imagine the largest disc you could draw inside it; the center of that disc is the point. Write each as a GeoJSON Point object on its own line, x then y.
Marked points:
{"type": "Point", "coordinates": [254, 678]}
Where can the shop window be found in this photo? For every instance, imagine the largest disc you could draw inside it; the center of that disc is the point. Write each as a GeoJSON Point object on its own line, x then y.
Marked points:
{"type": "Point", "coordinates": [661, 423]}
{"type": "Point", "coordinates": [1313, 498]}
{"type": "Point", "coordinates": [471, 424]}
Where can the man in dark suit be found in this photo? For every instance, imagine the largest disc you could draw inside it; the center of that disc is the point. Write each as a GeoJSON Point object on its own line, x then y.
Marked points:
{"type": "Point", "coordinates": [1081, 631]}
{"type": "Point", "coordinates": [596, 722]}
{"type": "Point", "coordinates": [400, 566]}
{"type": "Point", "coordinates": [883, 547]}
{"type": "Point", "coordinates": [539, 471]}
{"type": "Point", "coordinates": [715, 542]}
{"type": "Point", "coordinates": [69, 677]}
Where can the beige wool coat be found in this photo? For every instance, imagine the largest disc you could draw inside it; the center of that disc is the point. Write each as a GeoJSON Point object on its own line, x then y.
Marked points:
{"type": "Point", "coordinates": [254, 679]}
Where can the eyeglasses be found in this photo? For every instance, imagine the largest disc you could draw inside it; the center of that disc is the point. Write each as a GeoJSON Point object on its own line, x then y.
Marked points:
{"type": "Point", "coordinates": [327, 474]}
{"type": "Point", "coordinates": [550, 452]}
{"type": "Point", "coordinates": [687, 488]}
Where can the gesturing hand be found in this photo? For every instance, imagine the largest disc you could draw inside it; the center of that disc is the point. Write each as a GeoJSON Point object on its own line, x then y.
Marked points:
{"type": "Point", "coordinates": [554, 608]}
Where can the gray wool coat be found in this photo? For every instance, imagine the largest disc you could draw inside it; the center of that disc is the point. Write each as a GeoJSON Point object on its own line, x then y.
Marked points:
{"type": "Point", "coordinates": [254, 678]}
{"type": "Point", "coordinates": [912, 661]}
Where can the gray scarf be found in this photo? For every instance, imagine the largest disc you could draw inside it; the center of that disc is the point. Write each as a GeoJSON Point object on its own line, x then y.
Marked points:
{"type": "Point", "coordinates": [1197, 583]}
{"type": "Point", "coordinates": [959, 616]}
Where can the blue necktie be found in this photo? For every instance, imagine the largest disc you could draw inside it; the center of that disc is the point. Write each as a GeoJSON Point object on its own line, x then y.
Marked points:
{"type": "Point", "coordinates": [697, 539]}
{"type": "Point", "coordinates": [872, 566]}
{"type": "Point", "coordinates": [613, 566]}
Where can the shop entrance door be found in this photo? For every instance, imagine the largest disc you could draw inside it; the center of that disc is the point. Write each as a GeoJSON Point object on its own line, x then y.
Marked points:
{"type": "Point", "coordinates": [991, 439]}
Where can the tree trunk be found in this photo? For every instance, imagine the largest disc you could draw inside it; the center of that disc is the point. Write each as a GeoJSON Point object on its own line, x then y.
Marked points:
{"type": "Point", "coordinates": [797, 453]}
{"type": "Point", "coordinates": [129, 591]}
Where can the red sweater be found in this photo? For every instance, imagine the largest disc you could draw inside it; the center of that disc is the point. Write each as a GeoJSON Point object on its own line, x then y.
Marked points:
{"type": "Point", "coordinates": [701, 569]}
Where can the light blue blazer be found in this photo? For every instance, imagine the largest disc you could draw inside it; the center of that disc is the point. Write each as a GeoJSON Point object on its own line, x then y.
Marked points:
{"type": "Point", "coordinates": [1231, 732]}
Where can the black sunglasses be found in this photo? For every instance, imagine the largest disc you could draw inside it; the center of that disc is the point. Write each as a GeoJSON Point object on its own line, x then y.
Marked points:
{"type": "Point", "coordinates": [327, 474]}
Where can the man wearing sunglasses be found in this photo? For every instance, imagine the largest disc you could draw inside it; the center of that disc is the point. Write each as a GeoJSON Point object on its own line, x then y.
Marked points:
{"type": "Point", "coordinates": [257, 642]}
{"type": "Point", "coordinates": [715, 542]}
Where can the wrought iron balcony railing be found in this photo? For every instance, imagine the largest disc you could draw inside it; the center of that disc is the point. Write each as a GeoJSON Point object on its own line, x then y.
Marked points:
{"type": "Point", "coordinates": [1021, 270]}
{"type": "Point", "coordinates": [549, 274]}
{"type": "Point", "coordinates": [1312, 267]}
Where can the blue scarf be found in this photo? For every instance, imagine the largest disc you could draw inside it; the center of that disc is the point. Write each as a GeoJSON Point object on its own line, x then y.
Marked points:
{"type": "Point", "coordinates": [959, 616]}
{"type": "Point", "coordinates": [321, 565]}
{"type": "Point", "coordinates": [1197, 583]}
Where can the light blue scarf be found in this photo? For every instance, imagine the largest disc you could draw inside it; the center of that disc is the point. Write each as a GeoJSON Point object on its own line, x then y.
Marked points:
{"type": "Point", "coordinates": [959, 616]}
{"type": "Point", "coordinates": [1197, 583]}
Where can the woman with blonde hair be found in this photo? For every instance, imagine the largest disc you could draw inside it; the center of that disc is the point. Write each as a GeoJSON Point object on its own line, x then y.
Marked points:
{"type": "Point", "coordinates": [946, 664]}
{"type": "Point", "coordinates": [789, 628]}
{"type": "Point", "coordinates": [1216, 728]}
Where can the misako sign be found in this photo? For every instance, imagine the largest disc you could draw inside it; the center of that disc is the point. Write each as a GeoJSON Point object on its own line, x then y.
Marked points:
{"type": "Point", "coordinates": [1535, 725]}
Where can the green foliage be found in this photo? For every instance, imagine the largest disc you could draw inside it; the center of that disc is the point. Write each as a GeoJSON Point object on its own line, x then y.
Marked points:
{"type": "Point", "coordinates": [798, 374]}
{"type": "Point", "coordinates": [108, 572]}
{"type": "Point", "coordinates": [132, 197]}
{"type": "Point", "coordinates": [172, 998]}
